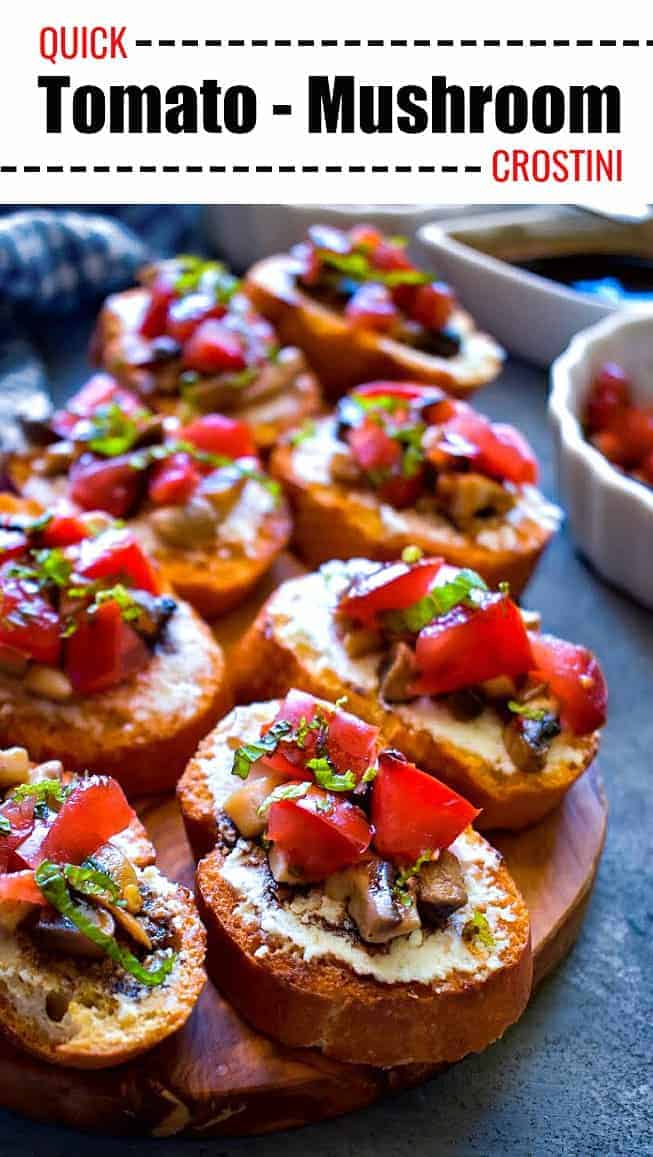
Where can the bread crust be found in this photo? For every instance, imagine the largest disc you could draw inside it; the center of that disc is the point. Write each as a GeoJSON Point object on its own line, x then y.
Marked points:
{"type": "Point", "coordinates": [334, 521]}
{"type": "Point", "coordinates": [212, 582]}
{"type": "Point", "coordinates": [343, 357]}
{"type": "Point", "coordinates": [323, 1001]}
{"type": "Point", "coordinates": [141, 732]}
{"type": "Point", "coordinates": [267, 417]}
{"type": "Point", "coordinates": [108, 1020]}
{"type": "Point", "coordinates": [356, 1018]}
{"type": "Point", "coordinates": [265, 666]}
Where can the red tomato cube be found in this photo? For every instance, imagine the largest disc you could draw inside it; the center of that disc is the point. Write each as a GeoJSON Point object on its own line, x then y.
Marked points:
{"type": "Point", "coordinates": [173, 481]}
{"type": "Point", "coordinates": [111, 484]}
{"type": "Point", "coordinates": [214, 349]}
{"type": "Point", "coordinates": [471, 644]}
{"type": "Point", "coordinates": [609, 396]}
{"type": "Point", "coordinates": [117, 556]}
{"type": "Point", "coordinates": [28, 621]}
{"type": "Point", "coordinates": [413, 812]}
{"type": "Point", "coordinates": [95, 810]}
{"type": "Point", "coordinates": [220, 435]}
{"type": "Point", "coordinates": [575, 679]}
{"type": "Point", "coordinates": [371, 307]}
{"type": "Point", "coordinates": [186, 313]}
{"type": "Point", "coordinates": [390, 588]}
{"type": "Point", "coordinates": [103, 651]}
{"type": "Point", "coordinates": [320, 833]}
{"type": "Point", "coordinates": [432, 305]}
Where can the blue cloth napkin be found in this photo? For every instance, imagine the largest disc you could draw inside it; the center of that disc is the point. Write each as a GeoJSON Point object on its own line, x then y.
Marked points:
{"type": "Point", "coordinates": [55, 262]}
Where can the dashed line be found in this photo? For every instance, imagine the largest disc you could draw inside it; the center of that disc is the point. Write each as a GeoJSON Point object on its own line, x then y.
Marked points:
{"type": "Point", "coordinates": [373, 43]}
{"type": "Point", "coordinates": [130, 169]}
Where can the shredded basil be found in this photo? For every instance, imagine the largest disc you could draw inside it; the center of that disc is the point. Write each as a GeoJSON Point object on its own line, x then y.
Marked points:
{"type": "Point", "coordinates": [328, 778]}
{"type": "Point", "coordinates": [537, 713]}
{"type": "Point", "coordinates": [370, 775]}
{"type": "Point", "coordinates": [47, 566]}
{"type": "Point", "coordinates": [112, 431]}
{"type": "Point", "coordinates": [5, 826]}
{"type": "Point", "coordinates": [437, 602]}
{"type": "Point", "coordinates": [119, 594]}
{"type": "Point", "coordinates": [358, 267]}
{"type": "Point", "coordinates": [44, 791]}
{"type": "Point", "coordinates": [51, 879]}
{"type": "Point", "coordinates": [91, 880]}
{"type": "Point", "coordinates": [283, 791]}
{"type": "Point", "coordinates": [248, 754]}
{"type": "Point", "coordinates": [413, 870]}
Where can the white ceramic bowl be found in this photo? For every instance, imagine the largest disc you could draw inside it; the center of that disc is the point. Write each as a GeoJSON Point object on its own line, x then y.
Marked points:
{"type": "Point", "coordinates": [532, 316]}
{"type": "Point", "coordinates": [244, 233]}
{"type": "Point", "coordinates": [610, 514]}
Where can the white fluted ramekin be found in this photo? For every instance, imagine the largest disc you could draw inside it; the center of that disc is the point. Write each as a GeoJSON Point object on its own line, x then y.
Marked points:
{"type": "Point", "coordinates": [610, 514]}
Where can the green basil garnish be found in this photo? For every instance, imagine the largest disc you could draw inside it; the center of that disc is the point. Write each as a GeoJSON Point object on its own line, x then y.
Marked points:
{"type": "Point", "coordinates": [249, 753]}
{"type": "Point", "coordinates": [328, 778]}
{"type": "Point", "coordinates": [477, 928]}
{"type": "Point", "coordinates": [283, 791]}
{"type": "Point", "coordinates": [5, 826]}
{"type": "Point", "coordinates": [437, 602]}
{"type": "Point", "coordinates": [51, 879]}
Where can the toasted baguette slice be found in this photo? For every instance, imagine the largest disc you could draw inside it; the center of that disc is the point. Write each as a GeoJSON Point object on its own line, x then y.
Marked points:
{"type": "Point", "coordinates": [92, 1014]}
{"type": "Point", "coordinates": [336, 521]}
{"type": "Point", "coordinates": [294, 643]}
{"type": "Point", "coordinates": [343, 357]}
{"type": "Point", "coordinates": [215, 578]}
{"type": "Point", "coordinates": [118, 347]}
{"type": "Point", "coordinates": [143, 731]}
{"type": "Point", "coordinates": [293, 967]}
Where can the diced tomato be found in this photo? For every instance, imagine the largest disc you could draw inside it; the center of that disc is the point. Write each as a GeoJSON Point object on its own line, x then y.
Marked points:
{"type": "Point", "coordinates": [575, 679]}
{"type": "Point", "coordinates": [320, 833]}
{"type": "Point", "coordinates": [20, 887]}
{"type": "Point", "coordinates": [350, 743]}
{"type": "Point", "coordinates": [28, 621]}
{"type": "Point", "coordinates": [634, 429]}
{"type": "Point", "coordinates": [220, 435]}
{"type": "Point", "coordinates": [390, 257]}
{"type": "Point", "coordinates": [433, 305]}
{"type": "Point", "coordinates": [390, 588]}
{"type": "Point", "coordinates": [64, 530]}
{"type": "Point", "coordinates": [154, 321]}
{"type": "Point", "coordinates": [402, 491]}
{"type": "Point", "coordinates": [411, 391]}
{"type": "Point", "coordinates": [609, 396]}
{"type": "Point", "coordinates": [186, 313]}
{"type": "Point", "coordinates": [372, 448]}
{"type": "Point", "coordinates": [20, 815]}
{"type": "Point", "coordinates": [469, 645]}
{"type": "Point", "coordinates": [98, 391]}
{"type": "Point", "coordinates": [95, 810]}
{"type": "Point", "coordinates": [608, 443]}
{"type": "Point", "coordinates": [116, 555]}
{"type": "Point", "coordinates": [12, 544]}
{"type": "Point", "coordinates": [413, 813]}
{"type": "Point", "coordinates": [214, 349]}
{"type": "Point", "coordinates": [111, 484]}
{"type": "Point", "coordinates": [103, 651]}
{"type": "Point", "coordinates": [173, 480]}
{"type": "Point", "coordinates": [501, 451]}
{"type": "Point", "coordinates": [371, 307]}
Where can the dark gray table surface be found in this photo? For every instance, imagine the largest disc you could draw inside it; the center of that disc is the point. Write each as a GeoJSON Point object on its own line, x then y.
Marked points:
{"type": "Point", "coordinates": [573, 1077]}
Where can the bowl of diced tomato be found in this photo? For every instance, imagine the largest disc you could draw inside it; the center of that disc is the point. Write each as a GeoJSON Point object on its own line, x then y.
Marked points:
{"type": "Point", "coordinates": [601, 408]}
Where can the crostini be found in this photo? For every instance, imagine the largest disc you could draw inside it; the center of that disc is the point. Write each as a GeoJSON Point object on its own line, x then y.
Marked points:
{"type": "Point", "coordinates": [359, 309]}
{"type": "Point", "coordinates": [452, 672]}
{"type": "Point", "coordinates": [401, 464]}
{"type": "Point", "coordinates": [98, 667]}
{"type": "Point", "coordinates": [195, 496]}
{"type": "Point", "coordinates": [349, 905]}
{"type": "Point", "coordinates": [101, 957]}
{"type": "Point", "coordinates": [189, 342]}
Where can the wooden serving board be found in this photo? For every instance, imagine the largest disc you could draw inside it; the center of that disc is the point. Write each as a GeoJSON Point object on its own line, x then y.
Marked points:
{"type": "Point", "coordinates": [220, 1077]}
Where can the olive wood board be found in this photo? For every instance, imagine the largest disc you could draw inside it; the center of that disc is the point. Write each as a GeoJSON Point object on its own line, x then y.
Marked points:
{"type": "Point", "coordinates": [218, 1076]}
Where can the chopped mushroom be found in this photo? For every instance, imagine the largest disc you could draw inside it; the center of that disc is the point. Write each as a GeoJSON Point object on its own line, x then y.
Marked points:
{"type": "Point", "coordinates": [528, 740]}
{"type": "Point", "coordinates": [440, 888]}
{"type": "Point", "coordinates": [397, 673]}
{"type": "Point", "coordinates": [378, 912]}
{"type": "Point", "coordinates": [242, 806]}
{"type": "Point", "coordinates": [55, 933]}
{"type": "Point", "coordinates": [361, 641]}
{"type": "Point", "coordinates": [153, 614]}
{"type": "Point", "coordinates": [192, 525]}
{"type": "Point", "coordinates": [464, 497]}
{"type": "Point", "coordinates": [345, 469]}
{"type": "Point", "coordinates": [223, 488]}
